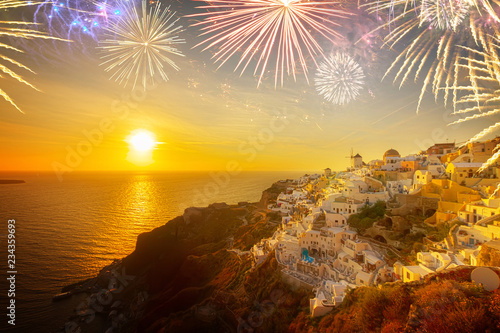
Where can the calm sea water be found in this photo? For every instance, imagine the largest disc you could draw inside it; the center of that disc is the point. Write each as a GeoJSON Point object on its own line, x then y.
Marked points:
{"type": "Point", "coordinates": [66, 231]}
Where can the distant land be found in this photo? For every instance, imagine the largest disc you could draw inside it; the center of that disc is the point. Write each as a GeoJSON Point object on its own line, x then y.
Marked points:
{"type": "Point", "coordinates": [11, 181]}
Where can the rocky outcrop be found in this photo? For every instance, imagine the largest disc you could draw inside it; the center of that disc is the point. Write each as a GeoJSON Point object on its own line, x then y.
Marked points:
{"type": "Point", "coordinates": [489, 255]}
{"type": "Point", "coordinates": [186, 280]}
{"type": "Point", "coordinates": [271, 194]}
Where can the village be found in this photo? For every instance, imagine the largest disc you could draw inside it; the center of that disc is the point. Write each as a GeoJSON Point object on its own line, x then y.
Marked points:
{"type": "Point", "coordinates": [440, 209]}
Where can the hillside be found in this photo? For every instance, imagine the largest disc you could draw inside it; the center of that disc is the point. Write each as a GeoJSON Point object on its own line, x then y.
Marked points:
{"type": "Point", "coordinates": [443, 303]}
{"type": "Point", "coordinates": [194, 274]}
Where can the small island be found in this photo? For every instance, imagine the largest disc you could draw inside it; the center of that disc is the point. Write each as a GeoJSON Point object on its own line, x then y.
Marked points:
{"type": "Point", "coordinates": [11, 181]}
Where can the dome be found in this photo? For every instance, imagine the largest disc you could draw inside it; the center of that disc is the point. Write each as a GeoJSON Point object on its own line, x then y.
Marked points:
{"type": "Point", "coordinates": [391, 152]}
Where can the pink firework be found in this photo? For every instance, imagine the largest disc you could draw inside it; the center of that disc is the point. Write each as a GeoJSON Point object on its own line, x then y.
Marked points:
{"type": "Point", "coordinates": [282, 32]}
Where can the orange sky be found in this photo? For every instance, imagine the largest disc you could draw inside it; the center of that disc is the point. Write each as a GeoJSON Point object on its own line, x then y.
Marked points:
{"type": "Point", "coordinates": [205, 118]}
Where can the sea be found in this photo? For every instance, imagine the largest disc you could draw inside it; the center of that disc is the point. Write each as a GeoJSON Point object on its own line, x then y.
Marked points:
{"type": "Point", "coordinates": [68, 229]}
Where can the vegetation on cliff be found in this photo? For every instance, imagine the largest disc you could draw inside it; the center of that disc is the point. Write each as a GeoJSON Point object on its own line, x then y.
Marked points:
{"type": "Point", "coordinates": [445, 303]}
{"type": "Point", "coordinates": [369, 214]}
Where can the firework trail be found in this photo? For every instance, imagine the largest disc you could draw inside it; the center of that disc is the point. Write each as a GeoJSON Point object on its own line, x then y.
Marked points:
{"type": "Point", "coordinates": [339, 78]}
{"type": "Point", "coordinates": [481, 97]}
{"type": "Point", "coordinates": [268, 31]}
{"type": "Point", "coordinates": [139, 44]}
{"type": "Point", "coordinates": [446, 37]}
{"type": "Point", "coordinates": [18, 30]}
{"type": "Point", "coordinates": [78, 20]}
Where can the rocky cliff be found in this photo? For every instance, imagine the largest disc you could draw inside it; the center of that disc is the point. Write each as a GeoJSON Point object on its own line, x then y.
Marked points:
{"type": "Point", "coordinates": [195, 274]}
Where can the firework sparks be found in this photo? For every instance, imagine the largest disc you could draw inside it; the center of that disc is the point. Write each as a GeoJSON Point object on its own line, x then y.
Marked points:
{"type": "Point", "coordinates": [444, 14]}
{"type": "Point", "coordinates": [446, 36]}
{"type": "Point", "coordinates": [140, 43]}
{"type": "Point", "coordinates": [339, 78]}
{"type": "Point", "coordinates": [77, 19]}
{"type": "Point", "coordinates": [272, 31]}
{"type": "Point", "coordinates": [480, 98]}
{"type": "Point", "coordinates": [15, 29]}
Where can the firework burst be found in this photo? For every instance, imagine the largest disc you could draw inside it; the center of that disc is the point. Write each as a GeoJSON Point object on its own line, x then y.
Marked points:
{"type": "Point", "coordinates": [268, 31]}
{"type": "Point", "coordinates": [77, 19]}
{"type": "Point", "coordinates": [339, 78]}
{"type": "Point", "coordinates": [442, 46]}
{"type": "Point", "coordinates": [481, 97]}
{"type": "Point", "coordinates": [140, 43]}
{"type": "Point", "coordinates": [16, 29]}
{"type": "Point", "coordinates": [443, 14]}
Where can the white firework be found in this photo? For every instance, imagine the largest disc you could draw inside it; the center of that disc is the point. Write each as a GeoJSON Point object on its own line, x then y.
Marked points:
{"type": "Point", "coordinates": [444, 14]}
{"type": "Point", "coordinates": [339, 78]}
{"type": "Point", "coordinates": [141, 44]}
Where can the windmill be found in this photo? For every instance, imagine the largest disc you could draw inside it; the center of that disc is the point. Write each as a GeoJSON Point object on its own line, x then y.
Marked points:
{"type": "Point", "coordinates": [356, 160]}
{"type": "Point", "coordinates": [351, 157]}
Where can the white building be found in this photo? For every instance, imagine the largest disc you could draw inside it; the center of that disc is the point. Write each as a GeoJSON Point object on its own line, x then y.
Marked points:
{"type": "Point", "coordinates": [346, 207]}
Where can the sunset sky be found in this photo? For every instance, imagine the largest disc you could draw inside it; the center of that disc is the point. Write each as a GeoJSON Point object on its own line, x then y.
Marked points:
{"type": "Point", "coordinates": [204, 117]}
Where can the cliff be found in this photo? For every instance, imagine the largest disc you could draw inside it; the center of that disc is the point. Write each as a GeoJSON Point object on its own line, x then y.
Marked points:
{"type": "Point", "coordinates": [195, 274]}
{"type": "Point", "coordinates": [195, 284]}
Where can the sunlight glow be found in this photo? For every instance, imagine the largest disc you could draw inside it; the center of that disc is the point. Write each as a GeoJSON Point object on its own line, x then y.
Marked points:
{"type": "Point", "coordinates": [142, 140]}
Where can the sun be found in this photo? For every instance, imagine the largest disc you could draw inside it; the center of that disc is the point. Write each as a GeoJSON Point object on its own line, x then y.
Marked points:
{"type": "Point", "coordinates": [142, 140]}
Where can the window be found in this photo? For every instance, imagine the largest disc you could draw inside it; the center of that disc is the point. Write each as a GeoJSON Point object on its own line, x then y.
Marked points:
{"type": "Point", "coordinates": [408, 275]}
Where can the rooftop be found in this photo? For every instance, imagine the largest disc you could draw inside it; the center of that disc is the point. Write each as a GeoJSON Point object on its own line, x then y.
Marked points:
{"type": "Point", "coordinates": [418, 269]}
{"type": "Point", "coordinates": [494, 244]}
{"type": "Point", "coordinates": [467, 165]}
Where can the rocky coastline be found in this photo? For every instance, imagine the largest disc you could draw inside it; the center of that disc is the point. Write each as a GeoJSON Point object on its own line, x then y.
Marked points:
{"type": "Point", "coordinates": [195, 274]}
{"type": "Point", "coordinates": [183, 275]}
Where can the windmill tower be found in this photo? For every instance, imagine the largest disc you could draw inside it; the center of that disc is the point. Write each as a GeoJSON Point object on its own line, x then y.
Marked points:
{"type": "Point", "coordinates": [356, 160]}
{"type": "Point", "coordinates": [352, 159]}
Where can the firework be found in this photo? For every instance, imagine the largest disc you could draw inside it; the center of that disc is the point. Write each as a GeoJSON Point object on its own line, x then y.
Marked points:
{"type": "Point", "coordinates": [438, 55]}
{"type": "Point", "coordinates": [77, 19]}
{"type": "Point", "coordinates": [268, 31]}
{"type": "Point", "coordinates": [140, 43]}
{"type": "Point", "coordinates": [443, 14]}
{"type": "Point", "coordinates": [339, 78]}
{"type": "Point", "coordinates": [16, 29]}
{"type": "Point", "coordinates": [480, 98]}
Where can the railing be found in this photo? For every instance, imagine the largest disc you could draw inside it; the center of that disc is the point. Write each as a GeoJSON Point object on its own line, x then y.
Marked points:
{"type": "Point", "coordinates": [387, 247]}
{"type": "Point", "coordinates": [487, 219]}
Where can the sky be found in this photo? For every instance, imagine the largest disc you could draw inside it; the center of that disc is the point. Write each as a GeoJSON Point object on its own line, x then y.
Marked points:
{"type": "Point", "coordinates": [205, 117]}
